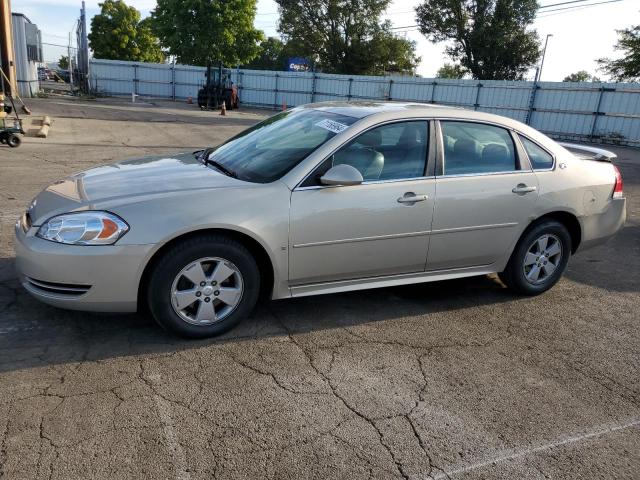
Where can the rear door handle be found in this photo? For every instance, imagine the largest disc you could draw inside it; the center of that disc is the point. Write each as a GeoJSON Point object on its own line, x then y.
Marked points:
{"type": "Point", "coordinates": [412, 198]}
{"type": "Point", "coordinates": [522, 188]}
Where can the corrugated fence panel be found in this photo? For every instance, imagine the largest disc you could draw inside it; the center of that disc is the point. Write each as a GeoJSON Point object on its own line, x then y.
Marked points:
{"type": "Point", "coordinates": [188, 80]}
{"type": "Point", "coordinates": [153, 80]}
{"type": "Point", "coordinates": [605, 112]}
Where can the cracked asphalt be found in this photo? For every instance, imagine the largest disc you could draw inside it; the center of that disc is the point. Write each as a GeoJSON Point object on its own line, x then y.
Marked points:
{"type": "Point", "coordinates": [458, 379]}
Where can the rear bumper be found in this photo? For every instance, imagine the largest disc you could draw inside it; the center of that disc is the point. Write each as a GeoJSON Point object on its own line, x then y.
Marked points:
{"type": "Point", "coordinates": [597, 229]}
{"type": "Point", "coordinates": [91, 278]}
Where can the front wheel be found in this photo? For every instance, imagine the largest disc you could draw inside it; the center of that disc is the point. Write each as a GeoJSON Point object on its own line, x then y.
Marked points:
{"type": "Point", "coordinates": [13, 141]}
{"type": "Point", "coordinates": [539, 259]}
{"type": "Point", "coordinates": [203, 286]}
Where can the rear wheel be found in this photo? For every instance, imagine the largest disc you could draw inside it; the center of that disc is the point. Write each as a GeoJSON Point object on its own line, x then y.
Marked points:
{"type": "Point", "coordinates": [203, 286]}
{"type": "Point", "coordinates": [539, 259]}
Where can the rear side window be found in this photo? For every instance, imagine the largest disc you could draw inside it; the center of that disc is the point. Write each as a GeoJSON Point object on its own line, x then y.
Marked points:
{"type": "Point", "coordinates": [476, 148]}
{"type": "Point", "coordinates": [540, 159]}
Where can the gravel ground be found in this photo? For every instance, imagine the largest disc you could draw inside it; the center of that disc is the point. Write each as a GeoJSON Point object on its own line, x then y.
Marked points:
{"type": "Point", "coordinates": [457, 379]}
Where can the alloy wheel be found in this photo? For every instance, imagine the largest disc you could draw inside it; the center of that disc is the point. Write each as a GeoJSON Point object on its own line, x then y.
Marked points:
{"type": "Point", "coordinates": [542, 259]}
{"type": "Point", "coordinates": [207, 291]}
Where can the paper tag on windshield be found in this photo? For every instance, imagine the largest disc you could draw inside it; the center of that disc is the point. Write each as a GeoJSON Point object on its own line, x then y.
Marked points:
{"type": "Point", "coordinates": [335, 127]}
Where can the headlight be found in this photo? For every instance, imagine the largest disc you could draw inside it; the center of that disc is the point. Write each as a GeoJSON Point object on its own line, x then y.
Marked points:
{"type": "Point", "coordinates": [84, 228]}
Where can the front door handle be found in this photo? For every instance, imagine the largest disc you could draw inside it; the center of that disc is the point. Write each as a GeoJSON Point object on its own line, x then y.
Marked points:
{"type": "Point", "coordinates": [411, 198]}
{"type": "Point", "coordinates": [522, 188]}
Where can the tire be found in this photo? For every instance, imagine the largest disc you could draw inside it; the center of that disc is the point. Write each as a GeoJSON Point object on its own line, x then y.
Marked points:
{"type": "Point", "coordinates": [529, 271]}
{"type": "Point", "coordinates": [13, 141]}
{"type": "Point", "coordinates": [3, 137]}
{"type": "Point", "coordinates": [170, 290]}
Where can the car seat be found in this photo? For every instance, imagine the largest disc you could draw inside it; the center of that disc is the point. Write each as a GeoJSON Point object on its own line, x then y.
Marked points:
{"type": "Point", "coordinates": [464, 158]}
{"type": "Point", "coordinates": [363, 156]}
{"type": "Point", "coordinates": [496, 158]}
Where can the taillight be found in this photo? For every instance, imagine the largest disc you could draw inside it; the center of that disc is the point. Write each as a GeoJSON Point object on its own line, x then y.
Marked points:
{"type": "Point", "coordinates": [617, 189]}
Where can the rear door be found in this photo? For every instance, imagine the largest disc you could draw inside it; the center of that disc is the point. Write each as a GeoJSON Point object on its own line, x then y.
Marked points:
{"type": "Point", "coordinates": [486, 193]}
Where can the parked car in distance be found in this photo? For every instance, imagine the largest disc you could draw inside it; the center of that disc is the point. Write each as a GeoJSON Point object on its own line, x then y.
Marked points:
{"type": "Point", "coordinates": [43, 73]}
{"type": "Point", "coordinates": [323, 198]}
{"type": "Point", "coordinates": [62, 76]}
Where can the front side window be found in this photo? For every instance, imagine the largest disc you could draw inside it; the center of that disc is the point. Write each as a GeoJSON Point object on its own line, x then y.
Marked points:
{"type": "Point", "coordinates": [540, 159]}
{"type": "Point", "coordinates": [268, 150]}
{"type": "Point", "coordinates": [477, 148]}
{"type": "Point", "coordinates": [389, 152]}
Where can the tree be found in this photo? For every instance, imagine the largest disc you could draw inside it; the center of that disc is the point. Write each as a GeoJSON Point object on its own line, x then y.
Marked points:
{"type": "Point", "coordinates": [488, 37]}
{"type": "Point", "coordinates": [272, 56]}
{"type": "Point", "coordinates": [196, 31]}
{"type": "Point", "coordinates": [627, 68]}
{"type": "Point", "coordinates": [449, 70]}
{"type": "Point", "coordinates": [346, 36]}
{"type": "Point", "coordinates": [117, 33]}
{"type": "Point", "coordinates": [581, 76]}
{"type": "Point", "coordinates": [63, 63]}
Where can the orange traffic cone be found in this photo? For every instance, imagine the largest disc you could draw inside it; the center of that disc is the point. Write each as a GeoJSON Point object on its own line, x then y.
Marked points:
{"type": "Point", "coordinates": [223, 111]}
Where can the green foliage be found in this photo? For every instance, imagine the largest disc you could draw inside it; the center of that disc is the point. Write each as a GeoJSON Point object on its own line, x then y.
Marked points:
{"type": "Point", "coordinates": [63, 63]}
{"type": "Point", "coordinates": [488, 37]}
{"type": "Point", "coordinates": [346, 36]}
{"type": "Point", "coordinates": [449, 70]}
{"type": "Point", "coordinates": [196, 31]}
{"type": "Point", "coordinates": [580, 76]}
{"type": "Point", "coordinates": [272, 56]}
{"type": "Point", "coordinates": [118, 34]}
{"type": "Point", "coordinates": [627, 68]}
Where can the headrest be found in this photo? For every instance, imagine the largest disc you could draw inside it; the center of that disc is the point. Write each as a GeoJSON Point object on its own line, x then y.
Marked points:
{"type": "Point", "coordinates": [413, 132]}
{"type": "Point", "coordinates": [372, 138]}
{"type": "Point", "coordinates": [495, 151]}
{"type": "Point", "coordinates": [465, 146]}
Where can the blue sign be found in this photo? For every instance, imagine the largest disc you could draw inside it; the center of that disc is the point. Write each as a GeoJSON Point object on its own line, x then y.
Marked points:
{"type": "Point", "coordinates": [298, 64]}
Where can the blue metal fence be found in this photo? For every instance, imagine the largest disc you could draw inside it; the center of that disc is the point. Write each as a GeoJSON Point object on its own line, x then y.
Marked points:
{"type": "Point", "coordinates": [599, 112]}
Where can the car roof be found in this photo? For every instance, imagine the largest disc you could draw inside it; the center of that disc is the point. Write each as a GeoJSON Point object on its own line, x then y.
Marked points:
{"type": "Point", "coordinates": [374, 111]}
{"type": "Point", "coordinates": [364, 108]}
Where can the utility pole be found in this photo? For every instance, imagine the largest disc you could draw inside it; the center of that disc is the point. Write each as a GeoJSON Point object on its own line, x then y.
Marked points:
{"type": "Point", "coordinates": [83, 51]}
{"type": "Point", "coordinates": [7, 61]}
{"type": "Point", "coordinates": [544, 52]}
{"type": "Point", "coordinates": [70, 64]}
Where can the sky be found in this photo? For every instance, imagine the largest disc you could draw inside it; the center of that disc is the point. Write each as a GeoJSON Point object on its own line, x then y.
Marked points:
{"type": "Point", "coordinates": [579, 36]}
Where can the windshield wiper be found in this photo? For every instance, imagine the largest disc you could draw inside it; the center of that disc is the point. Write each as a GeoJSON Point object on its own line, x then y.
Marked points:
{"type": "Point", "coordinates": [221, 167]}
{"type": "Point", "coordinates": [204, 156]}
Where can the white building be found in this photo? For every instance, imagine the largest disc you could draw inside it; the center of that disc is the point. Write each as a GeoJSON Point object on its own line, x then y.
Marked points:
{"type": "Point", "coordinates": [27, 45]}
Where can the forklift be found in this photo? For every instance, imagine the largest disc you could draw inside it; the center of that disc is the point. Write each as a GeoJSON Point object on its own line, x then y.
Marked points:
{"type": "Point", "coordinates": [217, 89]}
{"type": "Point", "coordinates": [10, 125]}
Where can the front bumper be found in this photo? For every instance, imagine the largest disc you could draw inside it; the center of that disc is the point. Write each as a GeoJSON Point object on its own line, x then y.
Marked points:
{"type": "Point", "coordinates": [92, 278]}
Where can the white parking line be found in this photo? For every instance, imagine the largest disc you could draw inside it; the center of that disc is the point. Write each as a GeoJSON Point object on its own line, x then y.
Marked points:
{"type": "Point", "coordinates": [514, 454]}
{"type": "Point", "coordinates": [171, 437]}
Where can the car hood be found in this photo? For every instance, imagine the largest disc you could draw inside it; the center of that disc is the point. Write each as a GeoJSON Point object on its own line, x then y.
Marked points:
{"type": "Point", "coordinates": [128, 181]}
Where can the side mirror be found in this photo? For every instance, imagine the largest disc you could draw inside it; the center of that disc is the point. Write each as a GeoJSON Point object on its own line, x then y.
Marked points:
{"type": "Point", "coordinates": [342, 175]}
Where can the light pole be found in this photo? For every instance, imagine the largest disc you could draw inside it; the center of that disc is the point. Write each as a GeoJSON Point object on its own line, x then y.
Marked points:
{"type": "Point", "coordinates": [544, 52]}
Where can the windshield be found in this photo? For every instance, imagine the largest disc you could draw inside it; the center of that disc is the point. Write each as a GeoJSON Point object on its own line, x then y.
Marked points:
{"type": "Point", "coordinates": [268, 150]}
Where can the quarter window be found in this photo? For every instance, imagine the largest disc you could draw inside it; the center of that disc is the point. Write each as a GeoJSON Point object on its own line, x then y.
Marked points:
{"type": "Point", "coordinates": [540, 159]}
{"type": "Point", "coordinates": [476, 148]}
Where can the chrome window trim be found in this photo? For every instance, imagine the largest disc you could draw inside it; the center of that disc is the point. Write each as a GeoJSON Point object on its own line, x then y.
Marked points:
{"type": "Point", "coordinates": [553, 167]}
{"type": "Point", "coordinates": [395, 120]}
{"type": "Point", "coordinates": [512, 133]}
{"type": "Point", "coordinates": [485, 174]}
{"type": "Point", "coordinates": [368, 182]}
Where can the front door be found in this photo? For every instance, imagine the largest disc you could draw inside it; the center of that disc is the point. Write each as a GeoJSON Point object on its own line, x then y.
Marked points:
{"type": "Point", "coordinates": [366, 230]}
{"type": "Point", "coordinates": [485, 196]}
